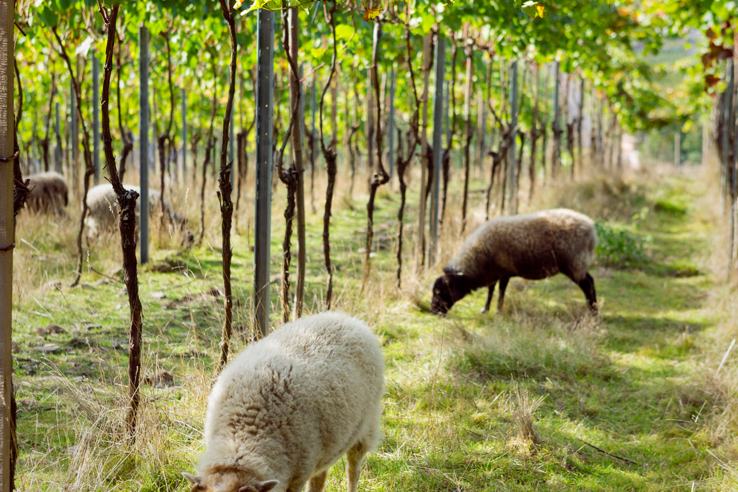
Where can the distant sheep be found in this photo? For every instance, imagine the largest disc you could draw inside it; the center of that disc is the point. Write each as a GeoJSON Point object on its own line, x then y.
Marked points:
{"type": "Point", "coordinates": [49, 193]}
{"type": "Point", "coordinates": [289, 406]}
{"type": "Point", "coordinates": [532, 246]}
{"type": "Point", "coordinates": [103, 205]}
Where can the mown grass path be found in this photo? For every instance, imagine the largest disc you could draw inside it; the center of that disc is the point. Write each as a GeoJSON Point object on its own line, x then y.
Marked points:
{"type": "Point", "coordinates": [628, 383]}
{"type": "Point", "coordinates": [513, 401]}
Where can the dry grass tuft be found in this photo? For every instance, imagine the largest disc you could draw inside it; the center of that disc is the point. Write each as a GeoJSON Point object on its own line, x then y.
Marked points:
{"type": "Point", "coordinates": [523, 408]}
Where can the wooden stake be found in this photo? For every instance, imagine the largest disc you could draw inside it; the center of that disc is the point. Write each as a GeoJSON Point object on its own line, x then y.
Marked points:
{"type": "Point", "coordinates": [7, 239]}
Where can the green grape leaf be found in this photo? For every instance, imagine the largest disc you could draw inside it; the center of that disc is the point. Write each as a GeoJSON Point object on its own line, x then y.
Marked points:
{"type": "Point", "coordinates": [48, 17]}
{"type": "Point", "coordinates": [275, 4]}
{"type": "Point", "coordinates": [344, 32]}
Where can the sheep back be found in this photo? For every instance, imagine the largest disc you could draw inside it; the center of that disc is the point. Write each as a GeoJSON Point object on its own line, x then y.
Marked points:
{"type": "Point", "coordinates": [293, 403]}
{"type": "Point", "coordinates": [49, 193]}
{"type": "Point", "coordinates": [103, 207]}
{"type": "Point", "coordinates": [534, 246]}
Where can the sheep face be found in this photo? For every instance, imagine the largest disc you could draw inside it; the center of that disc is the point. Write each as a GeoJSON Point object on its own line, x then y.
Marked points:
{"type": "Point", "coordinates": [446, 291]}
{"type": "Point", "coordinates": [188, 240]}
{"type": "Point", "coordinates": [227, 482]}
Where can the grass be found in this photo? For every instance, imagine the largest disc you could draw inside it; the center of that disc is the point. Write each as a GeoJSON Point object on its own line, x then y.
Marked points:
{"type": "Point", "coordinates": [515, 401]}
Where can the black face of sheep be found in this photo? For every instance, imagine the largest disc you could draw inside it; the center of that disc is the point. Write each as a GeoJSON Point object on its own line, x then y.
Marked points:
{"type": "Point", "coordinates": [446, 291]}
{"type": "Point", "coordinates": [189, 239]}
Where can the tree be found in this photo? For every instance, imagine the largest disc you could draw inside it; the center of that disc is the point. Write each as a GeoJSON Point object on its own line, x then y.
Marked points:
{"type": "Point", "coordinates": [127, 224]}
{"type": "Point", "coordinates": [330, 155]}
{"type": "Point", "coordinates": [297, 155]}
{"type": "Point", "coordinates": [380, 177]}
{"type": "Point", "coordinates": [224, 195]}
{"type": "Point", "coordinates": [469, 52]}
{"type": "Point", "coordinates": [89, 164]}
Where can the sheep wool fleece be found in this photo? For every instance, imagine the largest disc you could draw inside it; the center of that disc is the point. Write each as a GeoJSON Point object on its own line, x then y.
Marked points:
{"type": "Point", "coordinates": [49, 193]}
{"type": "Point", "coordinates": [532, 246]}
{"type": "Point", "coordinates": [289, 406]}
{"type": "Point", "coordinates": [103, 204]}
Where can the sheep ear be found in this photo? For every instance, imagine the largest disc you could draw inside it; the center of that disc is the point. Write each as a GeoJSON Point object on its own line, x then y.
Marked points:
{"type": "Point", "coordinates": [267, 486]}
{"type": "Point", "coordinates": [260, 487]}
{"type": "Point", "coordinates": [196, 481]}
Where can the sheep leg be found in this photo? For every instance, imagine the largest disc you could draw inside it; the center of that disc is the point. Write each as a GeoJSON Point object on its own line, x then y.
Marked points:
{"type": "Point", "coordinates": [489, 297]}
{"type": "Point", "coordinates": [354, 458]}
{"type": "Point", "coordinates": [503, 286]}
{"type": "Point", "coordinates": [588, 287]}
{"type": "Point", "coordinates": [317, 482]}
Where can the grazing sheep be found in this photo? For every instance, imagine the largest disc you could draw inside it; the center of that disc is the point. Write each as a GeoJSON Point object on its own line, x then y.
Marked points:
{"type": "Point", "coordinates": [103, 205]}
{"type": "Point", "coordinates": [289, 406]}
{"type": "Point", "coordinates": [49, 193]}
{"type": "Point", "coordinates": [532, 246]}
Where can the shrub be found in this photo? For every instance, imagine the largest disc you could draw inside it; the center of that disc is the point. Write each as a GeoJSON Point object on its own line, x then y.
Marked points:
{"type": "Point", "coordinates": [620, 248]}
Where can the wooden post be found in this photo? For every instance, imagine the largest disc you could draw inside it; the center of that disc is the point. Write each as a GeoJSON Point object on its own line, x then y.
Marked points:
{"type": "Point", "coordinates": [600, 143]}
{"type": "Point", "coordinates": [7, 239]}
{"type": "Point", "coordinates": [313, 112]}
{"type": "Point", "coordinates": [369, 128]}
{"type": "Point", "coordinates": [556, 162]}
{"type": "Point", "coordinates": [511, 158]}
{"type": "Point", "coordinates": [58, 154]}
{"type": "Point", "coordinates": [677, 148]}
{"type": "Point", "coordinates": [420, 246]}
{"type": "Point", "coordinates": [705, 143]}
{"type": "Point", "coordinates": [264, 116]}
{"type": "Point", "coordinates": [391, 122]}
{"type": "Point", "coordinates": [437, 147]}
{"type": "Point", "coordinates": [232, 151]}
{"type": "Point", "coordinates": [732, 165]}
{"type": "Point", "coordinates": [143, 139]}
{"type": "Point", "coordinates": [580, 120]}
{"type": "Point", "coordinates": [96, 115]}
{"type": "Point", "coordinates": [481, 128]}
{"type": "Point", "coordinates": [184, 133]}
{"type": "Point", "coordinates": [74, 175]}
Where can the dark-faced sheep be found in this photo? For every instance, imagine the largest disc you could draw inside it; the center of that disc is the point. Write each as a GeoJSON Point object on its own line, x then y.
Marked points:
{"type": "Point", "coordinates": [289, 406]}
{"type": "Point", "coordinates": [103, 214]}
{"type": "Point", "coordinates": [533, 246]}
{"type": "Point", "coordinates": [49, 193]}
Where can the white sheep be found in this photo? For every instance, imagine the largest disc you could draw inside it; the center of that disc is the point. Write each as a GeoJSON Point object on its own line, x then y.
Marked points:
{"type": "Point", "coordinates": [49, 193]}
{"type": "Point", "coordinates": [289, 406]}
{"type": "Point", "coordinates": [533, 246]}
{"type": "Point", "coordinates": [103, 205]}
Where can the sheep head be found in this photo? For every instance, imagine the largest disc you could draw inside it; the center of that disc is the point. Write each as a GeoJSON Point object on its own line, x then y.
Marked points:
{"type": "Point", "coordinates": [227, 483]}
{"type": "Point", "coordinates": [447, 289]}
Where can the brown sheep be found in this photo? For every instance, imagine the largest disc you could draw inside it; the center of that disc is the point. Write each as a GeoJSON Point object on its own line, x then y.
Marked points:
{"type": "Point", "coordinates": [533, 246]}
{"type": "Point", "coordinates": [49, 194]}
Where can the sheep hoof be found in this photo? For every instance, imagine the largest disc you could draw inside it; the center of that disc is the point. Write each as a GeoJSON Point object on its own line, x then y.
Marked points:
{"type": "Point", "coordinates": [483, 311]}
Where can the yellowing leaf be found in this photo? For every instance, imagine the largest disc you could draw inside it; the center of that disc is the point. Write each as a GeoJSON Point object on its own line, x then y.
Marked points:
{"type": "Point", "coordinates": [370, 14]}
{"type": "Point", "coordinates": [534, 9]}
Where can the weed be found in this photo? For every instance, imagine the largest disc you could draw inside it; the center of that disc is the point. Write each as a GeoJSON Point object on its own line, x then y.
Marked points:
{"type": "Point", "coordinates": [619, 248]}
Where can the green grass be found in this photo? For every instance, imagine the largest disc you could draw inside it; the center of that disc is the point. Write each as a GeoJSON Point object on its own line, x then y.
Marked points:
{"type": "Point", "coordinates": [474, 402]}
